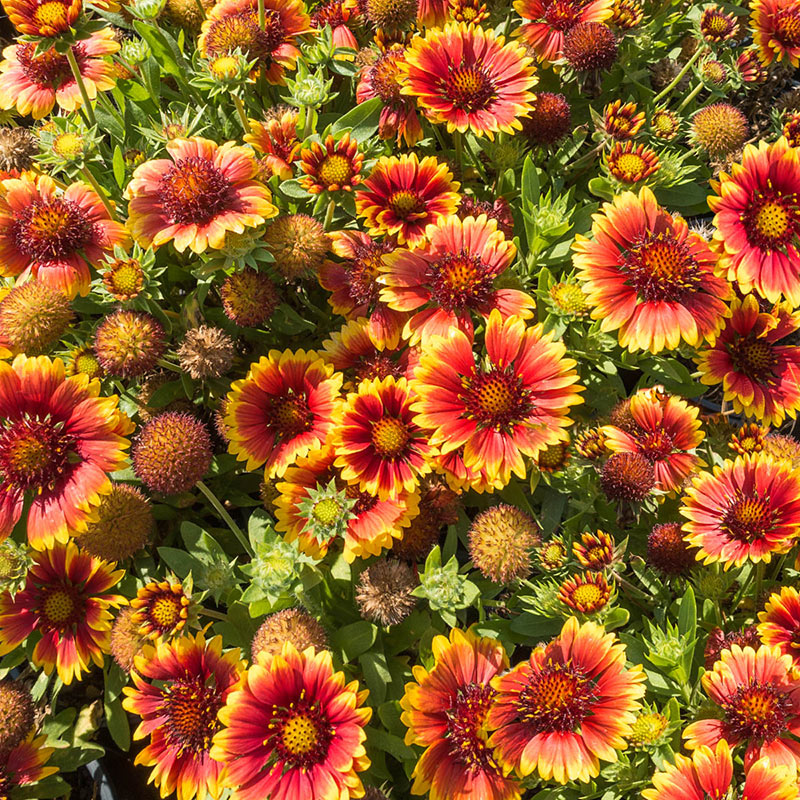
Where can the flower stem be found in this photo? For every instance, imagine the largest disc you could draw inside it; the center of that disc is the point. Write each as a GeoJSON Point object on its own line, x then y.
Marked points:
{"type": "Point", "coordinates": [679, 77]}
{"type": "Point", "coordinates": [458, 142]}
{"type": "Point", "coordinates": [329, 215]}
{"type": "Point", "coordinates": [237, 101]}
{"type": "Point", "coordinates": [76, 73]}
{"type": "Point", "coordinates": [207, 612]}
{"type": "Point", "coordinates": [262, 15]}
{"type": "Point", "coordinates": [220, 509]}
{"type": "Point", "coordinates": [308, 121]}
{"type": "Point", "coordinates": [86, 172]}
{"type": "Point", "coordinates": [201, 8]}
{"type": "Point", "coordinates": [162, 362]}
{"type": "Point", "coordinates": [691, 96]}
{"type": "Point", "coordinates": [757, 588]}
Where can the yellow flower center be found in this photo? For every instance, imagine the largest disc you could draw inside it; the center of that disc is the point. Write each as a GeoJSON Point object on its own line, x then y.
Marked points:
{"type": "Point", "coordinates": [588, 596]}
{"type": "Point", "coordinates": [405, 203]}
{"type": "Point", "coordinates": [58, 607]}
{"type": "Point", "coordinates": [389, 437]}
{"type": "Point", "coordinates": [556, 699]}
{"type": "Point", "coordinates": [772, 220]}
{"type": "Point", "coordinates": [327, 511]}
{"type": "Point", "coordinates": [300, 735]}
{"type": "Point", "coordinates": [165, 611]}
{"type": "Point", "coordinates": [224, 67]}
{"type": "Point", "coordinates": [468, 13]}
{"type": "Point", "coordinates": [630, 166]}
{"type": "Point", "coordinates": [126, 279]}
{"type": "Point", "coordinates": [569, 298]}
{"type": "Point", "coordinates": [336, 170]}
{"type": "Point", "coordinates": [647, 728]}
{"type": "Point", "coordinates": [68, 145]}
{"type": "Point", "coordinates": [29, 455]}
{"type": "Point", "coordinates": [52, 14]}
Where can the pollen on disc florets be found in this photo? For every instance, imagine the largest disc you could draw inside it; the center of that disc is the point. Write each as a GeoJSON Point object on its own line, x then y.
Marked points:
{"type": "Point", "coordinates": [129, 343]}
{"type": "Point", "coordinates": [33, 317]}
{"type": "Point", "coordinates": [627, 476]}
{"type": "Point", "coordinates": [589, 46]}
{"type": "Point", "coordinates": [82, 361]}
{"type": "Point", "coordinates": [16, 713]}
{"type": "Point", "coordinates": [550, 119]}
{"type": "Point", "coordinates": [384, 592]}
{"type": "Point", "coordinates": [591, 444]}
{"type": "Point", "coordinates": [249, 298]}
{"type": "Point", "coordinates": [18, 146]}
{"type": "Point", "coordinates": [647, 729]}
{"type": "Point", "coordinates": [298, 243]}
{"type": "Point", "coordinates": [720, 129]}
{"type": "Point", "coordinates": [501, 542]}
{"type": "Point", "coordinates": [294, 625]}
{"type": "Point", "coordinates": [206, 352]}
{"type": "Point", "coordinates": [570, 299]}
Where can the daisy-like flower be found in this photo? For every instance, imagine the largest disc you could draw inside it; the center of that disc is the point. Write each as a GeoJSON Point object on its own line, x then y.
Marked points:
{"type": "Point", "coordinates": [595, 551]}
{"type": "Point", "coordinates": [758, 368]}
{"type": "Point", "coordinates": [622, 121]}
{"type": "Point", "coordinates": [33, 84]}
{"type": "Point", "coordinates": [779, 622]}
{"type": "Point", "coordinates": [332, 166]}
{"type": "Point", "coordinates": [451, 277]}
{"type": "Point", "coordinates": [276, 138]}
{"type": "Point", "coordinates": [757, 219]}
{"type": "Point", "coordinates": [379, 445]}
{"type": "Point", "coordinates": [717, 25]}
{"type": "Point", "coordinates": [340, 15]}
{"type": "Point", "coordinates": [445, 712]}
{"type": "Point", "coordinates": [403, 195]}
{"type": "Point", "coordinates": [178, 689]}
{"type": "Point", "coordinates": [161, 610]}
{"type": "Point", "coordinates": [53, 236]}
{"type": "Point", "coordinates": [24, 764]}
{"type": "Point", "coordinates": [469, 79]}
{"type": "Point", "coordinates": [566, 708]}
{"type": "Point", "coordinates": [58, 441]}
{"type": "Point", "coordinates": [293, 729]}
{"type": "Point", "coordinates": [648, 277]}
{"type": "Point", "coordinates": [631, 163]}
{"type": "Point", "coordinates": [514, 401]}
{"type": "Point", "coordinates": [759, 697]}
{"type": "Point", "coordinates": [64, 603]}
{"type": "Point", "coordinates": [776, 30]}
{"type": "Point", "coordinates": [285, 406]}
{"type": "Point", "coordinates": [547, 22]}
{"type": "Point", "coordinates": [664, 429]}
{"type": "Point", "coordinates": [746, 510]}
{"type": "Point", "coordinates": [709, 773]}
{"type": "Point", "coordinates": [473, 12]}
{"type": "Point", "coordinates": [233, 24]}
{"type": "Point", "coordinates": [45, 19]}
{"type": "Point", "coordinates": [373, 525]}
{"type": "Point", "coordinates": [587, 592]}
{"type": "Point", "coordinates": [197, 195]}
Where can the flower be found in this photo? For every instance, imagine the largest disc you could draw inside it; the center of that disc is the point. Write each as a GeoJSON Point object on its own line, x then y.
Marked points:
{"type": "Point", "coordinates": [403, 195]}
{"type": "Point", "coordinates": [178, 689]}
{"type": "Point", "coordinates": [249, 298]}
{"type": "Point", "coordinates": [18, 146]}
{"type": "Point", "coordinates": [627, 14]}
{"type": "Point", "coordinates": [758, 370]}
{"type": "Point", "coordinates": [198, 194]}
{"type": "Point", "coordinates": [126, 641]}
{"type": "Point", "coordinates": [337, 14]}
{"type": "Point", "coordinates": [298, 244]}
{"type": "Point", "coordinates": [629, 477]}
{"type": "Point", "coordinates": [16, 714]}
{"type": "Point", "coordinates": [776, 30]}
{"type": "Point", "coordinates": [65, 601]}
{"type": "Point", "coordinates": [716, 73]}
{"type": "Point", "coordinates": [550, 119]}
{"type": "Point", "coordinates": [514, 402]}
{"type": "Point", "coordinates": [587, 592]}
{"type": "Point", "coordinates": [668, 551]}
{"type": "Point", "coordinates": [334, 166]}
{"type": "Point", "coordinates": [123, 278]}
{"type": "Point", "coordinates": [469, 79]}
{"type": "Point", "coordinates": [665, 124]}
{"type": "Point", "coordinates": [379, 446]}
{"type": "Point", "coordinates": [779, 622]}
{"type": "Point", "coordinates": [276, 138]}
{"type": "Point", "coordinates": [445, 710]}
{"type": "Point", "coordinates": [716, 25]}
{"type": "Point", "coordinates": [33, 316]}
{"type": "Point", "coordinates": [58, 441]}
{"type": "Point", "coordinates": [718, 641]}
{"type": "Point", "coordinates": [554, 458]}
{"type": "Point", "coordinates": [745, 510]}
{"type": "Point", "coordinates": [757, 693]}
{"type": "Point", "coordinates": [392, 16]}
{"type": "Point", "coordinates": [473, 12]}
{"type": "Point", "coordinates": [548, 21]}
{"type": "Point", "coordinates": [129, 343]}
{"type": "Point", "coordinates": [720, 129]}
{"type": "Point", "coordinates": [47, 19]}
{"type": "Point", "coordinates": [290, 625]}
{"type": "Point", "coordinates": [596, 551]}
{"type": "Point", "coordinates": [161, 610]}
{"type": "Point", "coordinates": [34, 83]}
{"type": "Point", "coordinates": [384, 592]}
{"type": "Point", "coordinates": [591, 443]}
{"type": "Point", "coordinates": [590, 46]}
{"type": "Point", "coordinates": [206, 352]}
{"type": "Point", "coordinates": [649, 277]}
{"type": "Point", "coordinates": [790, 130]}
{"type": "Point", "coordinates": [750, 438]}
{"type": "Point", "coordinates": [630, 163]}
{"type": "Point", "coordinates": [293, 727]}
{"type": "Point", "coordinates": [647, 729]}
{"type": "Point", "coordinates": [24, 765]}
{"type": "Point", "coordinates": [285, 406]}
{"type": "Point", "coordinates": [757, 219]}
{"type": "Point", "coordinates": [501, 542]}
{"type": "Point", "coordinates": [54, 236]}
{"type": "Point", "coordinates": [749, 67]}
{"type": "Point", "coordinates": [622, 122]}
{"type": "Point", "coordinates": [451, 276]}
{"type": "Point", "coordinates": [567, 707]}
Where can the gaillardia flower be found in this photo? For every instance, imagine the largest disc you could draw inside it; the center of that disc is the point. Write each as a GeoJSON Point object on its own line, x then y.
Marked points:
{"type": "Point", "coordinates": [469, 79]}
{"type": "Point", "coordinates": [622, 121]}
{"type": "Point", "coordinates": [64, 602]}
{"type": "Point", "coordinates": [44, 19]}
{"type": "Point", "coordinates": [54, 235]}
{"type": "Point", "coordinates": [776, 30]}
{"type": "Point", "coordinates": [759, 696]}
{"type": "Point", "coordinates": [501, 543]}
{"type": "Point", "coordinates": [33, 317]}
{"type": "Point", "coordinates": [403, 195]}
{"type": "Point", "coordinates": [58, 441]}
{"type": "Point", "coordinates": [631, 163]}
{"type": "Point", "coordinates": [451, 277]}
{"type": "Point", "coordinates": [779, 622]}
{"type": "Point", "coordinates": [332, 166]}
{"type": "Point", "coordinates": [161, 610]}
{"type": "Point", "coordinates": [178, 689]}
{"type": "Point", "coordinates": [587, 592]}
{"type": "Point", "coordinates": [24, 765]}
{"type": "Point", "coordinates": [550, 119]}
{"type": "Point", "coordinates": [746, 510]}
{"type": "Point", "coordinates": [293, 728]}
{"type": "Point", "coordinates": [384, 591]}
{"type": "Point", "coordinates": [595, 551]}
{"type": "Point", "coordinates": [668, 551]}
{"type": "Point", "coordinates": [445, 711]}
{"type": "Point", "coordinates": [129, 343]}
{"type": "Point", "coordinates": [16, 713]}
{"type": "Point", "coordinates": [285, 406]}
{"type": "Point", "coordinates": [515, 401]}
{"type": "Point", "coordinates": [716, 25]}
{"type": "Point", "coordinates": [566, 708]}
{"type": "Point", "coordinates": [720, 129]}
{"type": "Point", "coordinates": [590, 46]}
{"type": "Point", "coordinates": [197, 195]}
{"type": "Point", "coordinates": [648, 277]}
{"type": "Point", "coordinates": [249, 298]}
{"type": "Point", "coordinates": [276, 138]}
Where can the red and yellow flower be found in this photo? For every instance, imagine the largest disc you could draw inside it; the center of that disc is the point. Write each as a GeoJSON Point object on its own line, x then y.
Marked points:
{"type": "Point", "coordinates": [53, 236]}
{"type": "Point", "coordinates": [776, 30]}
{"type": "Point", "coordinates": [293, 729]}
{"type": "Point", "coordinates": [285, 406]}
{"type": "Point", "coordinates": [746, 510]}
{"type": "Point", "coordinates": [451, 277]}
{"type": "Point", "coordinates": [663, 428]}
{"type": "Point", "coordinates": [24, 764]}
{"type": "Point", "coordinates": [622, 121]}
{"type": "Point", "coordinates": [65, 603]}
{"type": "Point", "coordinates": [595, 551]}
{"type": "Point", "coordinates": [758, 369]}
{"type": "Point", "coordinates": [567, 707]}
{"type": "Point", "coordinates": [58, 441]}
{"type": "Point", "coordinates": [161, 610]}
{"type": "Point", "coordinates": [403, 195]}
{"type": "Point", "coordinates": [649, 277]}
{"type": "Point", "coordinates": [759, 696]}
{"type": "Point", "coordinates": [332, 166]}
{"type": "Point", "coordinates": [197, 195]}
{"type": "Point", "coordinates": [757, 219]}
{"type": "Point", "coordinates": [276, 138]}
{"type": "Point", "coordinates": [178, 689]}
{"type": "Point", "coordinates": [717, 25]}
{"type": "Point", "coordinates": [631, 163]}
{"type": "Point", "coordinates": [460, 477]}
{"type": "Point", "coordinates": [514, 401]}
{"type": "Point", "coordinates": [779, 622]}
{"type": "Point", "coordinates": [469, 79]}
{"type": "Point", "coordinates": [45, 19]}
{"type": "Point", "coordinates": [445, 711]}
{"type": "Point", "coordinates": [34, 84]}
{"type": "Point", "coordinates": [587, 592]}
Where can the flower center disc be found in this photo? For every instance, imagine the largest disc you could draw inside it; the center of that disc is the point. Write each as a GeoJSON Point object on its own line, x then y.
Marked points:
{"type": "Point", "coordinates": [300, 735]}
{"type": "Point", "coordinates": [466, 733]}
{"type": "Point", "coordinates": [496, 399]}
{"type": "Point", "coordinates": [758, 711]}
{"type": "Point", "coordinates": [469, 88]}
{"type": "Point", "coordinates": [327, 511]}
{"type": "Point", "coordinates": [755, 358]}
{"type": "Point", "coordinates": [191, 708]}
{"type": "Point", "coordinates": [588, 597]}
{"type": "Point", "coordinates": [335, 169]}
{"type": "Point", "coordinates": [389, 437]}
{"type": "Point", "coordinates": [291, 416]}
{"type": "Point", "coordinates": [193, 191]}
{"type": "Point", "coordinates": [772, 221]}
{"type": "Point", "coordinates": [460, 281]}
{"type": "Point", "coordinates": [58, 608]}
{"type": "Point", "coordinates": [406, 204]}
{"type": "Point", "coordinates": [48, 69]}
{"type": "Point", "coordinates": [556, 699]}
{"type": "Point", "coordinates": [33, 454]}
{"type": "Point", "coordinates": [748, 519]}
{"type": "Point", "coordinates": [561, 15]}
{"type": "Point", "coordinates": [241, 30]}
{"type": "Point", "coordinates": [52, 14]}
{"type": "Point", "coordinates": [165, 612]}
{"type": "Point", "coordinates": [630, 167]}
{"type": "Point", "coordinates": [788, 27]}
{"type": "Point", "coordinates": [51, 229]}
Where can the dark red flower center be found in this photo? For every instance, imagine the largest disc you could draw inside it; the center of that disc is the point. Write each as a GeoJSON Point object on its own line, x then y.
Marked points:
{"type": "Point", "coordinates": [772, 219]}
{"type": "Point", "coordinates": [194, 191]}
{"type": "Point", "coordinates": [787, 27]}
{"type": "Point", "coordinates": [755, 358]}
{"type": "Point", "coordinates": [390, 437]}
{"type": "Point", "coordinates": [757, 711]}
{"type": "Point", "coordinates": [363, 270]}
{"type": "Point", "coordinates": [407, 204]}
{"type": "Point", "coordinates": [60, 607]}
{"type": "Point", "coordinates": [190, 705]}
{"type": "Point", "coordinates": [561, 15]}
{"type": "Point", "coordinates": [301, 734]}
{"type": "Point", "coordinates": [290, 415]}
{"type": "Point", "coordinates": [749, 519]}
{"type": "Point", "coordinates": [556, 699]}
{"type": "Point", "coordinates": [49, 69]}
{"type": "Point", "coordinates": [384, 76]}
{"type": "Point", "coordinates": [662, 269]}
{"type": "Point", "coordinates": [51, 229]}
{"type": "Point", "coordinates": [466, 732]}
{"type": "Point", "coordinates": [469, 88]}
{"type": "Point", "coordinates": [328, 14]}
{"type": "Point", "coordinates": [656, 445]}
{"type": "Point", "coordinates": [241, 30]}
{"type": "Point", "coordinates": [35, 453]}
{"type": "Point", "coordinates": [376, 365]}
{"type": "Point", "coordinates": [364, 502]}
{"type": "Point", "coordinates": [496, 398]}
{"type": "Point", "coordinates": [460, 281]}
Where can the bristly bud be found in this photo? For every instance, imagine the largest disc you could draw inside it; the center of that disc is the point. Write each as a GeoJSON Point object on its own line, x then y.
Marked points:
{"type": "Point", "coordinates": [16, 714]}
{"type": "Point", "coordinates": [206, 352]}
{"type": "Point", "coordinates": [129, 343]}
{"type": "Point", "coordinates": [590, 46]}
{"type": "Point", "coordinates": [293, 625]}
{"type": "Point", "coordinates": [249, 298]}
{"type": "Point", "coordinates": [501, 541]}
{"type": "Point", "coordinates": [569, 299]}
{"type": "Point", "coordinates": [14, 562]}
{"type": "Point", "coordinates": [126, 642]}
{"type": "Point", "coordinates": [596, 551]}
{"type": "Point", "coordinates": [384, 592]}
{"type": "Point", "coordinates": [667, 551]}
{"type": "Point", "coordinates": [389, 15]}
{"type": "Point", "coordinates": [718, 641]}
{"type": "Point", "coordinates": [783, 448]}
{"type": "Point", "coordinates": [17, 149]}
{"type": "Point", "coordinates": [33, 317]}
{"type": "Point", "coordinates": [550, 119]}
{"type": "Point", "coordinates": [298, 243]}
{"type": "Point", "coordinates": [627, 476]}
{"type": "Point", "coordinates": [647, 729]}
{"type": "Point", "coordinates": [720, 129]}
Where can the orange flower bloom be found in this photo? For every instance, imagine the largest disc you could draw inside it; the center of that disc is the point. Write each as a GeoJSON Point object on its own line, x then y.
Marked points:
{"type": "Point", "coordinates": [339, 14]}
{"type": "Point", "coordinates": [745, 510]}
{"type": "Point", "coordinates": [587, 592]}
{"type": "Point", "coordinates": [24, 764]}
{"type": "Point", "coordinates": [402, 196]}
{"type": "Point", "coordinates": [776, 30]}
{"type": "Point", "coordinates": [58, 441]}
{"type": "Point", "coordinates": [286, 406]}
{"type": "Point", "coordinates": [622, 122]}
{"type": "Point", "coordinates": [514, 401]}
{"type": "Point", "coordinates": [161, 610]}
{"type": "Point", "coordinates": [460, 477]}
{"type": "Point", "coordinates": [33, 84]}
{"type": "Point", "coordinates": [649, 277]}
{"type": "Point", "coordinates": [595, 551]}
{"type": "Point", "coordinates": [197, 195]}
{"type": "Point", "coordinates": [276, 138]}
{"type": "Point", "coordinates": [630, 163]}
{"type": "Point", "coordinates": [48, 18]}
{"type": "Point", "coordinates": [779, 622]}
{"type": "Point", "coordinates": [716, 25]}
{"type": "Point", "coordinates": [336, 166]}
{"type": "Point", "coordinates": [566, 708]}
{"type": "Point", "coordinates": [65, 601]}
{"type": "Point", "coordinates": [445, 712]}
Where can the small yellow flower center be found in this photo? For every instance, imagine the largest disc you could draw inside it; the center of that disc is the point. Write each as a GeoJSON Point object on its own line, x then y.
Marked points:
{"type": "Point", "coordinates": [587, 596]}
{"type": "Point", "coordinates": [52, 14]}
{"type": "Point", "coordinates": [126, 278]}
{"type": "Point", "coordinates": [772, 220]}
{"type": "Point", "coordinates": [389, 437]}
{"type": "Point", "coordinates": [788, 27]}
{"type": "Point", "coordinates": [495, 397]}
{"type": "Point", "coordinates": [647, 728]}
{"type": "Point", "coordinates": [569, 297]}
{"type": "Point", "coordinates": [58, 607]}
{"type": "Point", "coordinates": [68, 145]}
{"type": "Point", "coordinates": [224, 67]}
{"type": "Point", "coordinates": [335, 170]}
{"type": "Point", "coordinates": [405, 204]}
{"type": "Point", "coordinates": [300, 735]}
{"type": "Point", "coordinates": [630, 166]}
{"type": "Point", "coordinates": [29, 455]}
{"type": "Point", "coordinates": [468, 13]}
{"type": "Point", "coordinates": [552, 555]}
{"type": "Point", "coordinates": [165, 611]}
{"type": "Point", "coordinates": [327, 511]}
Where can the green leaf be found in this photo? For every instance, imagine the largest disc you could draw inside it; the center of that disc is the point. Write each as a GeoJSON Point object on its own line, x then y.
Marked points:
{"type": "Point", "coordinates": [616, 618]}
{"type": "Point", "coordinates": [362, 121]}
{"type": "Point", "coordinates": [117, 722]}
{"type": "Point", "coordinates": [530, 183]}
{"type": "Point", "coordinates": [355, 639]}
{"type": "Point", "coordinates": [178, 560]}
{"type": "Point", "coordinates": [687, 614]}
{"type": "Point", "coordinates": [166, 52]}
{"type": "Point", "coordinates": [293, 190]}
{"type": "Point", "coordinates": [118, 165]}
{"type": "Point", "coordinates": [376, 675]}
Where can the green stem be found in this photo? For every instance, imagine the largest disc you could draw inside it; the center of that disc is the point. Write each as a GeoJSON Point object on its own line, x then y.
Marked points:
{"type": "Point", "coordinates": [207, 612]}
{"type": "Point", "coordinates": [201, 8]}
{"type": "Point", "coordinates": [679, 77]}
{"type": "Point", "coordinates": [220, 509]}
{"type": "Point", "coordinates": [308, 121]}
{"type": "Point", "coordinates": [262, 15]}
{"type": "Point", "coordinates": [76, 73]}
{"type": "Point", "coordinates": [101, 193]}
{"type": "Point", "coordinates": [329, 215]}
{"type": "Point", "coordinates": [458, 143]}
{"type": "Point", "coordinates": [109, 106]}
{"type": "Point", "coordinates": [476, 160]}
{"type": "Point", "coordinates": [691, 96]}
{"type": "Point", "coordinates": [237, 101]}
{"type": "Point", "coordinates": [757, 589]}
{"type": "Point", "coordinates": [162, 362]}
